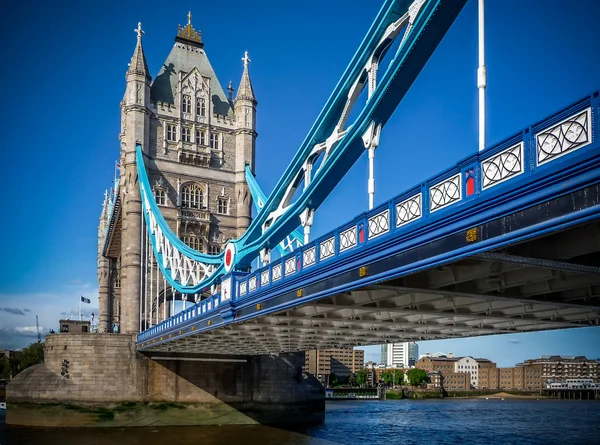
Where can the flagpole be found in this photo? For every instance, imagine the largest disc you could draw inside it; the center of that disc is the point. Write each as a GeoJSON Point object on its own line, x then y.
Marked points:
{"type": "Point", "coordinates": [80, 297]}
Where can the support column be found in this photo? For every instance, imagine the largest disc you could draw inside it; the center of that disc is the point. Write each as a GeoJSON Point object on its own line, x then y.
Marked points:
{"type": "Point", "coordinates": [131, 252]}
{"type": "Point", "coordinates": [306, 219]}
{"type": "Point", "coordinates": [371, 184]}
{"type": "Point", "coordinates": [103, 293]}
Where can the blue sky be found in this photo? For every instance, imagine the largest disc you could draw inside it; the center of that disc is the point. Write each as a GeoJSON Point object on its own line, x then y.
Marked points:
{"type": "Point", "coordinates": [65, 76]}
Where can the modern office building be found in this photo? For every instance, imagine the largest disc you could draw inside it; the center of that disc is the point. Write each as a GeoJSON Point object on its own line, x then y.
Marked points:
{"type": "Point", "coordinates": [400, 355]}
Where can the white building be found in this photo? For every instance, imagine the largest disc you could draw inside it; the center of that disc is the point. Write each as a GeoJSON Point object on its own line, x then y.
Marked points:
{"type": "Point", "coordinates": [400, 355]}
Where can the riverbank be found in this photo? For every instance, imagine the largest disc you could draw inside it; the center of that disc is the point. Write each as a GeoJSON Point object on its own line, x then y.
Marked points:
{"type": "Point", "coordinates": [421, 394]}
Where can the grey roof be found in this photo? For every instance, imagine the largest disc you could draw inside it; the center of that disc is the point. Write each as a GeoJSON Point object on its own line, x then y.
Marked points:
{"type": "Point", "coordinates": [185, 58]}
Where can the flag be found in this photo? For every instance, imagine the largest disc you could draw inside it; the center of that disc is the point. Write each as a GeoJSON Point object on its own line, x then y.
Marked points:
{"type": "Point", "coordinates": [117, 164]}
{"type": "Point", "coordinates": [85, 300]}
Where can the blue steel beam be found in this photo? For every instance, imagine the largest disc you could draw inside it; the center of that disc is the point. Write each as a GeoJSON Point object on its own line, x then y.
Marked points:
{"type": "Point", "coordinates": [426, 23]}
{"type": "Point", "coordinates": [537, 182]}
{"type": "Point", "coordinates": [259, 199]}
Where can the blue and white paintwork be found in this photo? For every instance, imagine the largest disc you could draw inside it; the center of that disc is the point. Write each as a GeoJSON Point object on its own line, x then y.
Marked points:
{"type": "Point", "coordinates": [549, 160]}
{"type": "Point", "coordinates": [329, 150]}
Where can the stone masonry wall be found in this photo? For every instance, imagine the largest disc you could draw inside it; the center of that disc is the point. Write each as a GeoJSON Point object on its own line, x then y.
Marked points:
{"type": "Point", "coordinates": [110, 384]}
{"type": "Point", "coordinates": [101, 368]}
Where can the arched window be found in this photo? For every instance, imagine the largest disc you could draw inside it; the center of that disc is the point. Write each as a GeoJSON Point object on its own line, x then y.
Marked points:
{"type": "Point", "coordinates": [192, 196]}
{"type": "Point", "coordinates": [186, 134]}
{"type": "Point", "coordinates": [214, 141]}
{"type": "Point", "coordinates": [200, 107]}
{"type": "Point", "coordinates": [200, 137]}
{"type": "Point", "coordinates": [186, 104]}
{"type": "Point", "coordinates": [160, 196]}
{"type": "Point", "coordinates": [193, 242]}
{"type": "Point", "coordinates": [223, 205]}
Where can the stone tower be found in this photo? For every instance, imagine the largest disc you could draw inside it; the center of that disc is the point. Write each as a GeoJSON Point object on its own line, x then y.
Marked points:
{"type": "Point", "coordinates": [196, 142]}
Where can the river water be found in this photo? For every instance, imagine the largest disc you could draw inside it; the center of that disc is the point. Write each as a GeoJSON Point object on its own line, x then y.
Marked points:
{"type": "Point", "coordinates": [448, 421]}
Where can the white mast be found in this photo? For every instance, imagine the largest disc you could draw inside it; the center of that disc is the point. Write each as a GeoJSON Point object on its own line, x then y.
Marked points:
{"type": "Point", "coordinates": [481, 76]}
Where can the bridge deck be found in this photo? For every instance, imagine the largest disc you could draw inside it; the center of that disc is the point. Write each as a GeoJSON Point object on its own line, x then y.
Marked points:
{"type": "Point", "coordinates": [506, 241]}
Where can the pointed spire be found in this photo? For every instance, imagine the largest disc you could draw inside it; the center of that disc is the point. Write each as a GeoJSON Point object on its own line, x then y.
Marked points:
{"type": "Point", "coordinates": [245, 89]}
{"type": "Point", "coordinates": [138, 63]}
{"type": "Point", "coordinates": [230, 90]}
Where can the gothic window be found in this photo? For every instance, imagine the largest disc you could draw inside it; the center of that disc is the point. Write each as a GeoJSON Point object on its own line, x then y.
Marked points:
{"type": "Point", "coordinates": [192, 196]}
{"type": "Point", "coordinates": [171, 132]}
{"type": "Point", "coordinates": [214, 250]}
{"type": "Point", "coordinates": [160, 196]}
{"type": "Point", "coordinates": [222, 206]}
{"type": "Point", "coordinates": [187, 104]}
{"type": "Point", "coordinates": [214, 141]}
{"type": "Point", "coordinates": [186, 134]}
{"type": "Point", "coordinates": [200, 137]}
{"type": "Point", "coordinates": [200, 107]}
{"type": "Point", "coordinates": [117, 282]}
{"type": "Point", "coordinates": [193, 242]}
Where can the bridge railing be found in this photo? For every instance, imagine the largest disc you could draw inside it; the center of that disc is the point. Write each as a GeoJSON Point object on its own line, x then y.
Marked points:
{"type": "Point", "coordinates": [498, 170]}
{"type": "Point", "coordinates": [483, 179]}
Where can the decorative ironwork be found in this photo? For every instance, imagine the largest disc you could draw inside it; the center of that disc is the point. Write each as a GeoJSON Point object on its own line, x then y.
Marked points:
{"type": "Point", "coordinates": [379, 224]}
{"type": "Point", "coordinates": [290, 266]}
{"type": "Point", "coordinates": [445, 193]}
{"type": "Point", "coordinates": [264, 277]}
{"type": "Point", "coordinates": [276, 272]}
{"type": "Point", "coordinates": [504, 165]}
{"type": "Point", "coordinates": [309, 256]}
{"type": "Point", "coordinates": [408, 210]}
{"type": "Point", "coordinates": [568, 135]}
{"type": "Point", "coordinates": [326, 248]}
{"type": "Point", "coordinates": [252, 284]}
{"type": "Point", "coordinates": [347, 239]}
{"type": "Point", "coordinates": [188, 32]}
{"type": "Point", "coordinates": [242, 288]}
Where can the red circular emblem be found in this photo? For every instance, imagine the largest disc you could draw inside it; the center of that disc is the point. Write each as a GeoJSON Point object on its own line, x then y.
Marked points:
{"type": "Point", "coordinates": [229, 257]}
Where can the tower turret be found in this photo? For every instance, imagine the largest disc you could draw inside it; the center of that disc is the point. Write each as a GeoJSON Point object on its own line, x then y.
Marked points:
{"type": "Point", "coordinates": [136, 124]}
{"type": "Point", "coordinates": [103, 269]}
{"type": "Point", "coordinates": [245, 114]}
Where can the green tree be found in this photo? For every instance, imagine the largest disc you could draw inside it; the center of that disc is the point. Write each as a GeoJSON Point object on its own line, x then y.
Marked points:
{"type": "Point", "coordinates": [4, 367]}
{"type": "Point", "coordinates": [362, 377]}
{"type": "Point", "coordinates": [352, 380]}
{"type": "Point", "coordinates": [28, 356]}
{"type": "Point", "coordinates": [333, 380]}
{"type": "Point", "coordinates": [392, 377]}
{"type": "Point", "coordinates": [417, 376]}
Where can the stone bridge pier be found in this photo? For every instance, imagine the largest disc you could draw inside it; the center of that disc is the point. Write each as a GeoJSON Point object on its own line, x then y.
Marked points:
{"type": "Point", "coordinates": [100, 380]}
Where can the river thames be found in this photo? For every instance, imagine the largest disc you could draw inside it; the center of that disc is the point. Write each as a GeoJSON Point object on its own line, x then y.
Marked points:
{"type": "Point", "coordinates": [448, 421]}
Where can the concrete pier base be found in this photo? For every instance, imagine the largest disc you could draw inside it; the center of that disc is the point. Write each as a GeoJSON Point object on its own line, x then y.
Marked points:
{"type": "Point", "coordinates": [100, 380]}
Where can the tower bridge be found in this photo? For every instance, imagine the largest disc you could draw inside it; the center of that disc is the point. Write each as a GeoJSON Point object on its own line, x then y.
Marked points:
{"type": "Point", "coordinates": [499, 243]}
{"type": "Point", "coordinates": [504, 241]}
{"type": "Point", "coordinates": [204, 305]}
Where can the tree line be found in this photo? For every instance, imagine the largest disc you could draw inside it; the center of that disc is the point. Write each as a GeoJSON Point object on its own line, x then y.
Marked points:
{"type": "Point", "coordinates": [20, 360]}
{"type": "Point", "coordinates": [389, 377]}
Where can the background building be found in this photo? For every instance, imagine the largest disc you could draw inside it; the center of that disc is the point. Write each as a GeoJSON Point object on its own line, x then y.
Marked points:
{"type": "Point", "coordinates": [339, 361]}
{"type": "Point", "coordinates": [531, 375]}
{"type": "Point", "coordinates": [400, 355]}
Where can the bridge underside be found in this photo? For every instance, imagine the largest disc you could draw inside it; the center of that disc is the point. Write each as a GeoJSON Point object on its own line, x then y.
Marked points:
{"type": "Point", "coordinates": [550, 282]}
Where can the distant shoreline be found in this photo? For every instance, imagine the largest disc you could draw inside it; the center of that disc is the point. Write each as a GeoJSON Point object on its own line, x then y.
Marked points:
{"type": "Point", "coordinates": [505, 395]}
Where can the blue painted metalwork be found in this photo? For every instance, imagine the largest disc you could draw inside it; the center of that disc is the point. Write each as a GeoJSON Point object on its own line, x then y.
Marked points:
{"type": "Point", "coordinates": [259, 199]}
{"type": "Point", "coordinates": [531, 184]}
{"type": "Point", "coordinates": [426, 23]}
